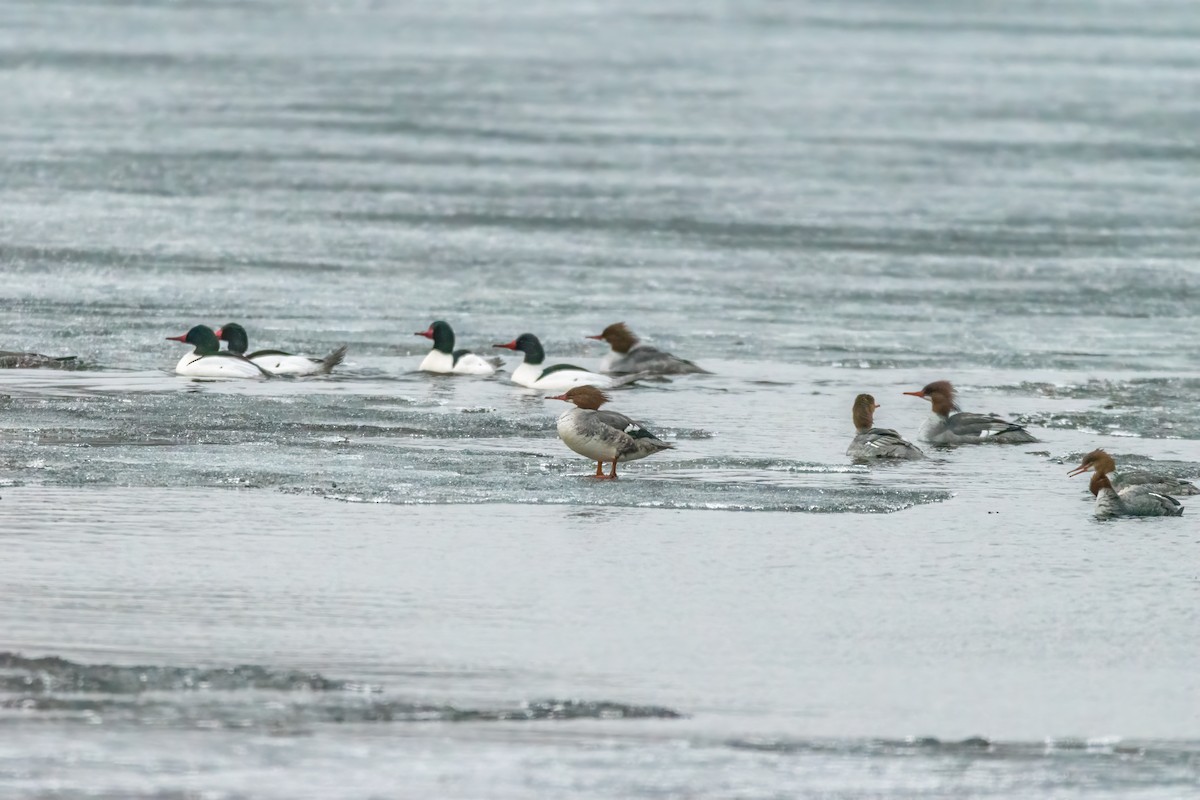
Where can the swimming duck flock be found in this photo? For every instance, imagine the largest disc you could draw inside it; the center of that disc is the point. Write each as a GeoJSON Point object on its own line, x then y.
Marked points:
{"type": "Point", "coordinates": [610, 437]}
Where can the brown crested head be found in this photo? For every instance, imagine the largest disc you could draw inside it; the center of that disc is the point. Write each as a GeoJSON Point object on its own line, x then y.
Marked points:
{"type": "Point", "coordinates": [1098, 460]}
{"type": "Point", "coordinates": [940, 394]}
{"type": "Point", "coordinates": [864, 412]}
{"type": "Point", "coordinates": [586, 396]}
{"type": "Point", "coordinates": [618, 336]}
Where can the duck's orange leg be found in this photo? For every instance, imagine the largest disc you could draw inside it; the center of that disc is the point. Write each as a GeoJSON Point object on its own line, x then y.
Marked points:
{"type": "Point", "coordinates": [599, 469]}
{"type": "Point", "coordinates": [612, 475]}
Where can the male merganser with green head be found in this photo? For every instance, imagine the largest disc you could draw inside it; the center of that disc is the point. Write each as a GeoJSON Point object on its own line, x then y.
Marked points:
{"type": "Point", "coordinates": [208, 361]}
{"type": "Point", "coordinates": [872, 442]}
{"type": "Point", "coordinates": [945, 426]}
{"type": "Point", "coordinates": [445, 360]}
{"type": "Point", "coordinates": [534, 375]}
{"type": "Point", "coordinates": [603, 436]}
{"type": "Point", "coordinates": [278, 362]}
{"type": "Point", "coordinates": [1137, 500]}
{"type": "Point", "coordinates": [630, 354]}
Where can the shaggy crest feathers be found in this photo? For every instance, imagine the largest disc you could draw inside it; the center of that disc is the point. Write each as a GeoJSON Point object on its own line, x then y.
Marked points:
{"type": "Point", "coordinates": [586, 396]}
{"type": "Point", "coordinates": [619, 337]}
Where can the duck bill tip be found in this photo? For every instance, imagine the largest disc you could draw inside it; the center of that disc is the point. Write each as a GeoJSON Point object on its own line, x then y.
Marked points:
{"type": "Point", "coordinates": [180, 338]}
{"type": "Point", "coordinates": [1078, 471]}
{"type": "Point", "coordinates": [427, 334]}
{"type": "Point", "coordinates": [915, 394]}
{"type": "Point", "coordinates": [510, 346]}
{"type": "Point", "coordinates": [597, 337]}
{"type": "Point", "coordinates": [556, 397]}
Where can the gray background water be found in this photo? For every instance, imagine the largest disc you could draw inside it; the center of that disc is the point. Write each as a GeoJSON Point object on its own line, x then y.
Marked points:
{"type": "Point", "coordinates": [811, 201]}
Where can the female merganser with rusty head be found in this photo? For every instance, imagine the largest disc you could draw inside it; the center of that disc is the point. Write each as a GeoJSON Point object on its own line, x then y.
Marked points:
{"type": "Point", "coordinates": [278, 362]}
{"type": "Point", "coordinates": [872, 442]}
{"type": "Point", "coordinates": [1138, 500]}
{"type": "Point", "coordinates": [1150, 481]}
{"type": "Point", "coordinates": [629, 354]}
{"type": "Point", "coordinates": [603, 435]}
{"type": "Point", "coordinates": [13, 359]}
{"type": "Point", "coordinates": [445, 360]}
{"type": "Point", "coordinates": [946, 427]}
{"type": "Point", "coordinates": [208, 361]}
{"type": "Point", "coordinates": [532, 374]}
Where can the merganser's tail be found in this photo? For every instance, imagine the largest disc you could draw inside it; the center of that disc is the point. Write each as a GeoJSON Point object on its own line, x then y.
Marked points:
{"type": "Point", "coordinates": [332, 360]}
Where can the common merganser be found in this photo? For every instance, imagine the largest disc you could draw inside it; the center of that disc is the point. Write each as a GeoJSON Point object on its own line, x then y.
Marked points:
{"type": "Point", "coordinates": [1138, 500]}
{"type": "Point", "coordinates": [603, 435]}
{"type": "Point", "coordinates": [207, 360]}
{"type": "Point", "coordinates": [874, 442]}
{"type": "Point", "coordinates": [278, 362]}
{"type": "Point", "coordinates": [944, 427]}
{"type": "Point", "coordinates": [629, 354]}
{"type": "Point", "coordinates": [445, 360]}
{"type": "Point", "coordinates": [13, 359]}
{"type": "Point", "coordinates": [532, 374]}
{"type": "Point", "coordinates": [1150, 481]}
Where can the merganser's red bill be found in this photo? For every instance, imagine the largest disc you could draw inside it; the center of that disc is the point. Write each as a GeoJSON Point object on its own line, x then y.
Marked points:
{"type": "Point", "coordinates": [558, 397]}
{"type": "Point", "coordinates": [597, 337]}
{"type": "Point", "coordinates": [181, 338]}
{"type": "Point", "coordinates": [510, 346]}
{"type": "Point", "coordinates": [217, 332]}
{"type": "Point", "coordinates": [427, 334]}
{"type": "Point", "coordinates": [915, 394]}
{"type": "Point", "coordinates": [1079, 470]}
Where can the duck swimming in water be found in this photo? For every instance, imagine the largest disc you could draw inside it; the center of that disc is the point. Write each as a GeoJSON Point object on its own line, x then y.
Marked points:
{"type": "Point", "coordinates": [13, 359]}
{"type": "Point", "coordinates": [1137, 500]}
{"type": "Point", "coordinates": [872, 442]}
{"type": "Point", "coordinates": [445, 360]}
{"type": "Point", "coordinates": [278, 362]}
{"type": "Point", "coordinates": [630, 354]}
{"type": "Point", "coordinates": [534, 375]}
{"type": "Point", "coordinates": [207, 360]}
{"type": "Point", "coordinates": [947, 425]}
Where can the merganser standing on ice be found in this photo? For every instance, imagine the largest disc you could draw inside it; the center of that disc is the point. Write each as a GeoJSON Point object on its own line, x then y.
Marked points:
{"type": "Point", "coordinates": [1138, 500]}
{"type": "Point", "coordinates": [208, 361]}
{"type": "Point", "coordinates": [945, 427]}
{"type": "Point", "coordinates": [872, 442]}
{"type": "Point", "coordinates": [1150, 481]}
{"type": "Point", "coordinates": [445, 360]}
{"type": "Point", "coordinates": [532, 374]}
{"type": "Point", "coordinates": [603, 435]}
{"type": "Point", "coordinates": [631, 355]}
{"type": "Point", "coordinates": [278, 362]}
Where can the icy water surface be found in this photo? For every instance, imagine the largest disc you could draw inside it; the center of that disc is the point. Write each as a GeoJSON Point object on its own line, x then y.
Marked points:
{"type": "Point", "coordinates": [388, 584]}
